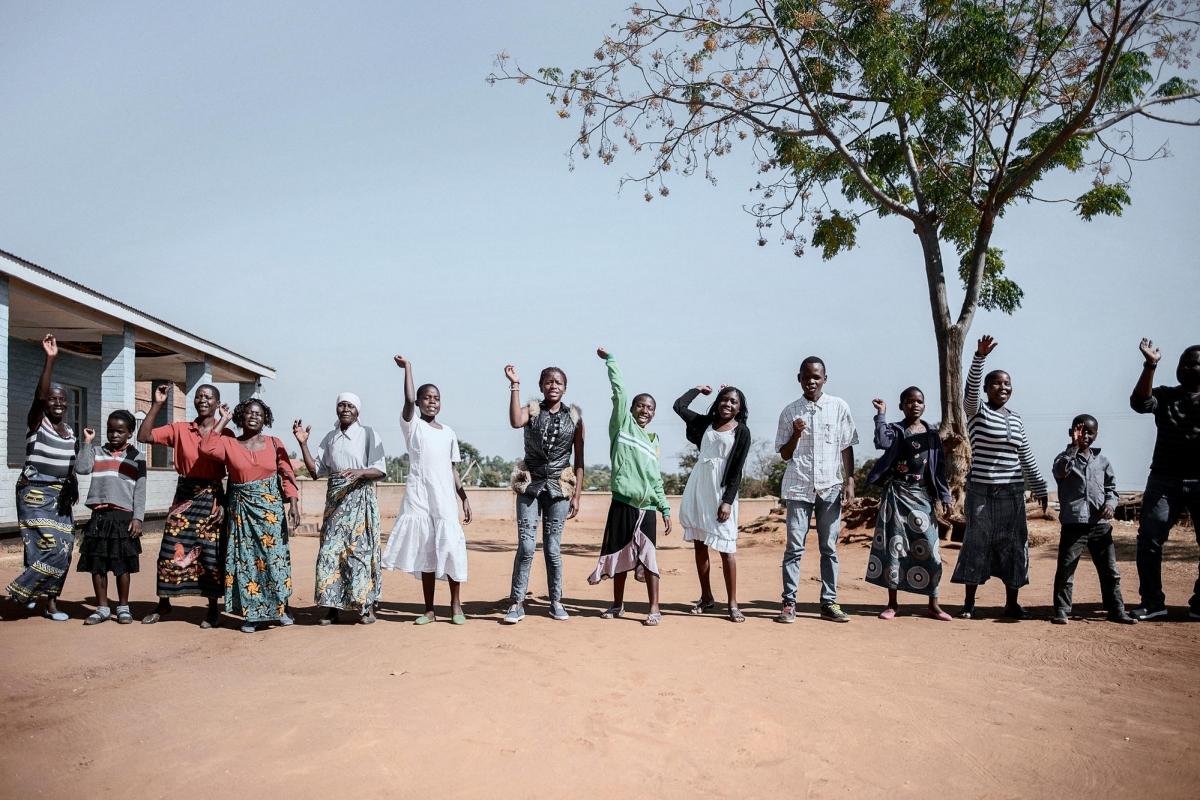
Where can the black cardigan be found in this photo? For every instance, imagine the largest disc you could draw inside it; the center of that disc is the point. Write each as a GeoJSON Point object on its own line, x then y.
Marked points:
{"type": "Point", "coordinates": [697, 424]}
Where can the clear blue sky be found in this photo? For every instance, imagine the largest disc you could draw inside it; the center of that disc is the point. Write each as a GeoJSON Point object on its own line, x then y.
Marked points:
{"type": "Point", "coordinates": [320, 186]}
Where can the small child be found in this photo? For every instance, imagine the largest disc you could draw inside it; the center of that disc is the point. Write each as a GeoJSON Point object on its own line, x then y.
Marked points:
{"type": "Point", "coordinates": [1087, 498]}
{"type": "Point", "coordinates": [637, 491]}
{"type": "Point", "coordinates": [427, 539]}
{"type": "Point", "coordinates": [117, 498]}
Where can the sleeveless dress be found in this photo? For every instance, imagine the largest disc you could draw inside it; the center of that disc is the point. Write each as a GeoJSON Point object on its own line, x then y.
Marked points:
{"type": "Point", "coordinates": [702, 496]}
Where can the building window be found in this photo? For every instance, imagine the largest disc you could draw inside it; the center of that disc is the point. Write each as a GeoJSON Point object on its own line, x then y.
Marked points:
{"type": "Point", "coordinates": [76, 415]}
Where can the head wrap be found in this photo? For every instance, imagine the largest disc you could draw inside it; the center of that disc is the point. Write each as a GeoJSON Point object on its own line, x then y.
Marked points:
{"type": "Point", "coordinates": [350, 397]}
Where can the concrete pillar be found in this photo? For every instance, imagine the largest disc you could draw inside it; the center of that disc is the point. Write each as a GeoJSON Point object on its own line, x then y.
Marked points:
{"type": "Point", "coordinates": [248, 389]}
{"type": "Point", "coordinates": [4, 401]}
{"type": "Point", "coordinates": [197, 373]}
{"type": "Point", "coordinates": [116, 374]}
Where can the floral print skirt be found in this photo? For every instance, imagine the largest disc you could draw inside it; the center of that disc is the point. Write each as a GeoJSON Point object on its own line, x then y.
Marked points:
{"type": "Point", "coordinates": [258, 566]}
{"type": "Point", "coordinates": [349, 575]}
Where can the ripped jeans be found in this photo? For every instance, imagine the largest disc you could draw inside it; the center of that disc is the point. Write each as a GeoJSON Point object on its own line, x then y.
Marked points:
{"type": "Point", "coordinates": [553, 511]}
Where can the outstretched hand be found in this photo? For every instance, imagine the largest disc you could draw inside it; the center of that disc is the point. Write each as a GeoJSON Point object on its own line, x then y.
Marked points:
{"type": "Point", "coordinates": [880, 406]}
{"type": "Point", "coordinates": [985, 346]}
{"type": "Point", "coordinates": [301, 431]}
{"type": "Point", "coordinates": [600, 351]}
{"type": "Point", "coordinates": [1151, 353]}
{"type": "Point", "coordinates": [50, 345]}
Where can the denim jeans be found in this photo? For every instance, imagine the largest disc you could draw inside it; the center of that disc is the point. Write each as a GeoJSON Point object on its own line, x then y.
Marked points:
{"type": "Point", "coordinates": [553, 511]}
{"type": "Point", "coordinates": [1097, 540]}
{"type": "Point", "coordinates": [829, 524]}
{"type": "Point", "coordinates": [1164, 500]}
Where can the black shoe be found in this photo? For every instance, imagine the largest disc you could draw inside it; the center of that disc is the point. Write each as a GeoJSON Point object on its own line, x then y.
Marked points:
{"type": "Point", "coordinates": [1122, 618]}
{"type": "Point", "coordinates": [1014, 612]}
{"type": "Point", "coordinates": [1059, 619]}
{"type": "Point", "coordinates": [1143, 613]}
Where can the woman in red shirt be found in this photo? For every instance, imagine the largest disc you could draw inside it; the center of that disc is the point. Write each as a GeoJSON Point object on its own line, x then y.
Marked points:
{"type": "Point", "coordinates": [258, 567]}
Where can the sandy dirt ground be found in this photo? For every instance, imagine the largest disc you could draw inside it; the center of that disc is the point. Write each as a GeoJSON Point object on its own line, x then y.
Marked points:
{"type": "Point", "coordinates": [697, 707]}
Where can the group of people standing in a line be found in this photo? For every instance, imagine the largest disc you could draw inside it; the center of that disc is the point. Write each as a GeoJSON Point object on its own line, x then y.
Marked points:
{"type": "Point", "coordinates": [226, 534]}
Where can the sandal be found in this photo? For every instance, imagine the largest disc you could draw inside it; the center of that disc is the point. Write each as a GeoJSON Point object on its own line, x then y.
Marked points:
{"type": "Point", "coordinates": [365, 619]}
{"type": "Point", "coordinates": [652, 619]}
{"type": "Point", "coordinates": [57, 616]}
{"type": "Point", "coordinates": [702, 605]}
{"type": "Point", "coordinates": [425, 618]}
{"type": "Point", "coordinates": [123, 615]}
{"type": "Point", "coordinates": [211, 620]}
{"type": "Point", "coordinates": [101, 614]}
{"type": "Point", "coordinates": [613, 612]}
{"type": "Point", "coordinates": [941, 616]}
{"type": "Point", "coordinates": [736, 615]}
{"type": "Point", "coordinates": [459, 619]}
{"type": "Point", "coordinates": [155, 616]}
{"type": "Point", "coordinates": [967, 612]}
{"type": "Point", "coordinates": [249, 627]}
{"type": "Point", "coordinates": [887, 613]}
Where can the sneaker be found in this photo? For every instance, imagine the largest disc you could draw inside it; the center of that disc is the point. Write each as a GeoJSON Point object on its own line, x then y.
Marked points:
{"type": "Point", "coordinates": [1059, 619]}
{"type": "Point", "coordinates": [558, 612]}
{"type": "Point", "coordinates": [516, 613]}
{"type": "Point", "coordinates": [1148, 613]}
{"type": "Point", "coordinates": [1122, 618]}
{"type": "Point", "coordinates": [788, 614]}
{"type": "Point", "coordinates": [833, 612]}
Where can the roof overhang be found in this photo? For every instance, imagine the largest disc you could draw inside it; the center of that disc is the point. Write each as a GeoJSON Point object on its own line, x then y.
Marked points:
{"type": "Point", "coordinates": [42, 301]}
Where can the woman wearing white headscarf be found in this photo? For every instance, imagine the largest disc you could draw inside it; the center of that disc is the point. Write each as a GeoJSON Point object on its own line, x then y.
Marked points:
{"type": "Point", "coordinates": [351, 456]}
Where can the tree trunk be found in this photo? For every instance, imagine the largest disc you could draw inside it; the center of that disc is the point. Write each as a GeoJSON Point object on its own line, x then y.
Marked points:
{"type": "Point", "coordinates": [954, 419]}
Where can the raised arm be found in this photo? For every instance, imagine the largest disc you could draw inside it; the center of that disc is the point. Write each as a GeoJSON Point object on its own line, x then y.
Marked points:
{"type": "Point", "coordinates": [410, 393]}
{"type": "Point", "coordinates": [301, 432]}
{"type": "Point", "coordinates": [884, 435]}
{"type": "Point", "coordinates": [145, 433]}
{"type": "Point", "coordinates": [619, 398]}
{"type": "Point", "coordinates": [518, 414]}
{"type": "Point", "coordinates": [975, 375]}
{"type": "Point", "coordinates": [38, 407]}
{"type": "Point", "coordinates": [1142, 400]}
{"type": "Point", "coordinates": [213, 443]}
{"type": "Point", "coordinates": [788, 434]}
{"type": "Point", "coordinates": [85, 459]}
{"type": "Point", "coordinates": [685, 400]}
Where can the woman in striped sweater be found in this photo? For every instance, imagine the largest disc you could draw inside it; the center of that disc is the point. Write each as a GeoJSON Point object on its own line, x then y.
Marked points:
{"type": "Point", "coordinates": [46, 490]}
{"type": "Point", "coordinates": [996, 542]}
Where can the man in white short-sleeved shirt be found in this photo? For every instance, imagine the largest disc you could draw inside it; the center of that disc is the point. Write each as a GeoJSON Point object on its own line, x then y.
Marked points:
{"type": "Point", "coordinates": [816, 437]}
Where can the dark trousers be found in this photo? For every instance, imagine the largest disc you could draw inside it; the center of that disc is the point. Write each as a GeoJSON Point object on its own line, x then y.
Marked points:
{"type": "Point", "coordinates": [1098, 541]}
{"type": "Point", "coordinates": [1164, 500]}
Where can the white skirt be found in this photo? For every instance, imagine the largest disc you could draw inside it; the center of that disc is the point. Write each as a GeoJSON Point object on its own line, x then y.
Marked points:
{"type": "Point", "coordinates": [419, 543]}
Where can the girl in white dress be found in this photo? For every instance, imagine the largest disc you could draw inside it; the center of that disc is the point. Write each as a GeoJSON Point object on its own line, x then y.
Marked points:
{"type": "Point", "coordinates": [427, 539]}
{"type": "Point", "coordinates": [709, 509]}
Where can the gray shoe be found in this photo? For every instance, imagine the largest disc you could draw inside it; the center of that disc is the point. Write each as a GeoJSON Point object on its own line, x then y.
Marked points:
{"type": "Point", "coordinates": [788, 614]}
{"type": "Point", "coordinates": [516, 613]}
{"type": "Point", "coordinates": [558, 612]}
{"type": "Point", "coordinates": [833, 612]}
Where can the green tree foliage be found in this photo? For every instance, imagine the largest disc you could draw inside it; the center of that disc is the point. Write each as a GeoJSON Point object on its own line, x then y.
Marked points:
{"type": "Point", "coordinates": [944, 113]}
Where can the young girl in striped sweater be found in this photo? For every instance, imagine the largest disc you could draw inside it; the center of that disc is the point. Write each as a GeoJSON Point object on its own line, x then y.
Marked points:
{"type": "Point", "coordinates": [117, 497]}
{"type": "Point", "coordinates": [996, 541]}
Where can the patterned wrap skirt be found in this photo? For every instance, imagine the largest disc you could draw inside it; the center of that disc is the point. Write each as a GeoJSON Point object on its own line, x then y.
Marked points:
{"type": "Point", "coordinates": [191, 560]}
{"type": "Point", "coordinates": [258, 566]}
{"type": "Point", "coordinates": [107, 545]}
{"type": "Point", "coordinates": [996, 541]}
{"type": "Point", "coordinates": [904, 553]}
{"type": "Point", "coordinates": [349, 574]}
{"type": "Point", "coordinates": [629, 543]}
{"type": "Point", "coordinates": [47, 531]}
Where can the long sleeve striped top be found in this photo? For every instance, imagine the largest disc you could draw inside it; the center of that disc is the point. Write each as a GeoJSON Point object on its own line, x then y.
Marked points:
{"type": "Point", "coordinates": [118, 478]}
{"type": "Point", "coordinates": [1000, 451]}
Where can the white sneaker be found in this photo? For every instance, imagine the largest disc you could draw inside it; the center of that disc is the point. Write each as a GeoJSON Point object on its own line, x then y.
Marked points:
{"type": "Point", "coordinates": [1148, 613]}
{"type": "Point", "coordinates": [558, 612]}
{"type": "Point", "coordinates": [516, 613]}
